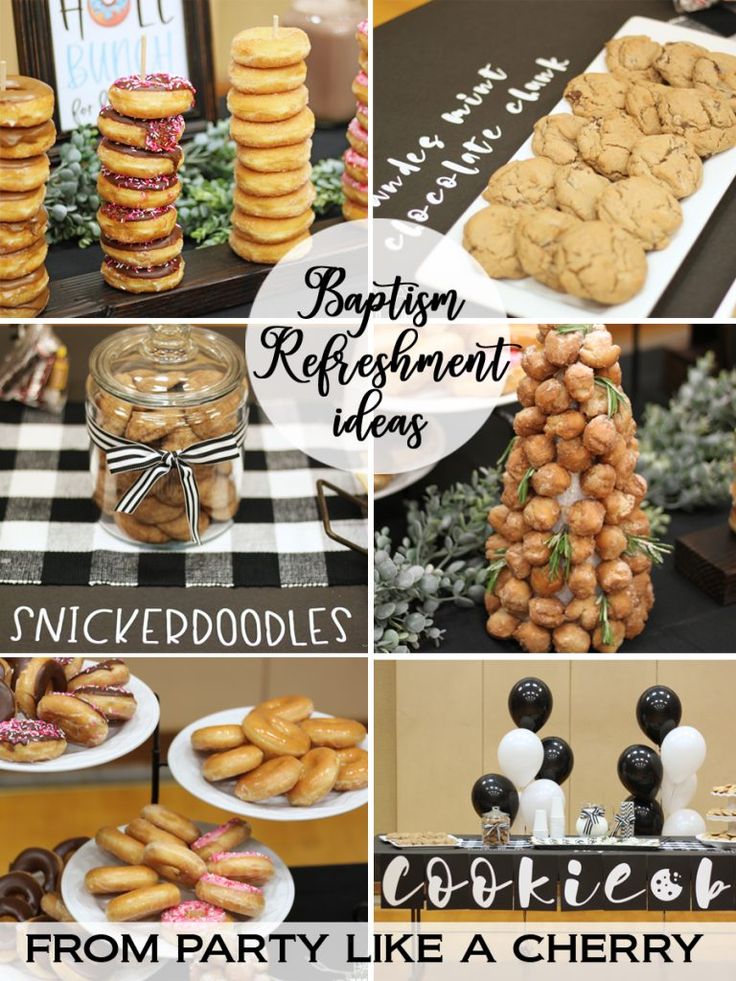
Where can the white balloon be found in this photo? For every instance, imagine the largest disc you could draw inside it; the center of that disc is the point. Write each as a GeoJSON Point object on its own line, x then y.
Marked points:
{"type": "Point", "coordinates": [675, 796]}
{"type": "Point", "coordinates": [539, 795]}
{"type": "Point", "coordinates": [520, 756]}
{"type": "Point", "coordinates": [683, 753]}
{"type": "Point", "coordinates": [684, 823]}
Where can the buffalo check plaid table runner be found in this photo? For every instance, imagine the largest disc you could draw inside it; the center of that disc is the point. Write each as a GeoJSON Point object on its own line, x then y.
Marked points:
{"type": "Point", "coordinates": [50, 533]}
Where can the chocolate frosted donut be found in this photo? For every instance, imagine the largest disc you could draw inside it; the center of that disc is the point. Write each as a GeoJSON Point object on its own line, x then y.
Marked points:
{"type": "Point", "coordinates": [42, 864]}
{"type": "Point", "coordinates": [148, 134]}
{"type": "Point", "coordinates": [142, 279]}
{"type": "Point", "coordinates": [153, 253]}
{"type": "Point", "coordinates": [131, 161]}
{"type": "Point", "coordinates": [16, 908]}
{"type": "Point", "coordinates": [7, 702]}
{"type": "Point", "coordinates": [138, 192]}
{"type": "Point", "coordinates": [65, 849]}
{"type": "Point", "coordinates": [36, 679]}
{"type": "Point", "coordinates": [22, 884]}
{"type": "Point", "coordinates": [111, 671]}
{"type": "Point", "coordinates": [152, 97]}
{"type": "Point", "coordinates": [136, 224]}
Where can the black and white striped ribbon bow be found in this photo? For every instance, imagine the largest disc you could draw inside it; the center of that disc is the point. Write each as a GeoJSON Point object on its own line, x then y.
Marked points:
{"type": "Point", "coordinates": [124, 455]}
{"type": "Point", "coordinates": [591, 815]}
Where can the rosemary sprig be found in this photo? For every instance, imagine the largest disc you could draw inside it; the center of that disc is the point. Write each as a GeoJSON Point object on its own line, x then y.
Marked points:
{"type": "Point", "coordinates": [523, 491]}
{"type": "Point", "coordinates": [653, 548]}
{"type": "Point", "coordinates": [614, 394]}
{"type": "Point", "coordinates": [501, 461]}
{"type": "Point", "coordinates": [495, 569]}
{"type": "Point", "coordinates": [606, 632]}
{"type": "Point", "coordinates": [571, 328]}
{"type": "Point", "coordinates": [560, 554]}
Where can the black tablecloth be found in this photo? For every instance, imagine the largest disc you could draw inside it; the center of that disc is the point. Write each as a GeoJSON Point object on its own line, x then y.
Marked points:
{"type": "Point", "coordinates": [330, 894]}
{"type": "Point", "coordinates": [684, 619]}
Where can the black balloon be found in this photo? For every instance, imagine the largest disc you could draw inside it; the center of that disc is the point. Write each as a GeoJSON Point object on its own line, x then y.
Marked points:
{"type": "Point", "coordinates": [530, 703]}
{"type": "Point", "coordinates": [558, 760]}
{"type": "Point", "coordinates": [658, 712]}
{"type": "Point", "coordinates": [648, 816]}
{"type": "Point", "coordinates": [640, 771]}
{"type": "Point", "coordinates": [494, 790]}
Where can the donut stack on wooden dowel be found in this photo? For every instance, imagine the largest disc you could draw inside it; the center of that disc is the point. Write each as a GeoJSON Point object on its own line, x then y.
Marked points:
{"type": "Point", "coordinates": [140, 158]}
{"type": "Point", "coordinates": [355, 178]}
{"type": "Point", "coordinates": [26, 133]}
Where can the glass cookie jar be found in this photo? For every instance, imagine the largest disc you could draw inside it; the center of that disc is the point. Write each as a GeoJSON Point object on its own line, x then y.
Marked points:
{"type": "Point", "coordinates": [167, 414]}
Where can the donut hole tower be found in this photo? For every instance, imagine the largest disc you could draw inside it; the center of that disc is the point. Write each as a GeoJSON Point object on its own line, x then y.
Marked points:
{"type": "Point", "coordinates": [138, 182]}
{"type": "Point", "coordinates": [26, 133]}
{"type": "Point", "coordinates": [272, 126]}
{"type": "Point", "coordinates": [355, 178]}
{"type": "Point", "coordinates": [571, 552]}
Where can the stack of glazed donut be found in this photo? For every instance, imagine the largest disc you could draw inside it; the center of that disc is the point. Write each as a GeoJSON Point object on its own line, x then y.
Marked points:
{"type": "Point", "coordinates": [568, 533]}
{"type": "Point", "coordinates": [279, 749]}
{"type": "Point", "coordinates": [26, 133]}
{"type": "Point", "coordinates": [48, 702]}
{"type": "Point", "coordinates": [355, 178]}
{"type": "Point", "coordinates": [29, 891]}
{"type": "Point", "coordinates": [160, 844]}
{"type": "Point", "coordinates": [140, 158]}
{"type": "Point", "coordinates": [272, 127]}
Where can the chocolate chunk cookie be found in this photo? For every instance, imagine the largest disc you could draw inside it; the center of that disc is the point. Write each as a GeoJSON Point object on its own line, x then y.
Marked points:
{"type": "Point", "coordinates": [707, 122]}
{"type": "Point", "coordinates": [669, 159]}
{"type": "Point", "coordinates": [556, 137]}
{"type": "Point", "coordinates": [490, 237]}
{"type": "Point", "coordinates": [643, 207]}
{"type": "Point", "coordinates": [717, 72]}
{"type": "Point", "coordinates": [606, 144]}
{"type": "Point", "coordinates": [601, 262]}
{"type": "Point", "coordinates": [577, 189]}
{"type": "Point", "coordinates": [523, 182]}
{"type": "Point", "coordinates": [633, 57]}
{"type": "Point", "coordinates": [595, 94]}
{"type": "Point", "coordinates": [537, 234]}
{"type": "Point", "coordinates": [677, 61]}
{"type": "Point", "coordinates": [641, 105]}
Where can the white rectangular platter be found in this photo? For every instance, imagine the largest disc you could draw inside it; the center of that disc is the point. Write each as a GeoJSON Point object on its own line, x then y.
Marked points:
{"type": "Point", "coordinates": [528, 298]}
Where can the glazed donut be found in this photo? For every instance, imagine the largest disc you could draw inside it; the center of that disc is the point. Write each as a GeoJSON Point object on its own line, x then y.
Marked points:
{"type": "Point", "coordinates": [223, 838]}
{"type": "Point", "coordinates": [231, 763]}
{"type": "Point", "coordinates": [361, 35]}
{"type": "Point", "coordinates": [42, 864]}
{"type": "Point", "coordinates": [274, 734]}
{"type": "Point", "coordinates": [65, 849]}
{"type": "Point", "coordinates": [144, 254]}
{"type": "Point", "coordinates": [353, 773]}
{"type": "Point", "coordinates": [269, 107]}
{"type": "Point", "coordinates": [267, 255]}
{"type": "Point", "coordinates": [143, 904]}
{"type": "Point", "coordinates": [320, 768]}
{"type": "Point", "coordinates": [135, 224]}
{"type": "Point", "coordinates": [295, 708]}
{"type": "Point", "coordinates": [31, 308]}
{"type": "Point", "coordinates": [7, 702]}
{"type": "Point", "coordinates": [360, 87]}
{"type": "Point", "coordinates": [356, 165]}
{"type": "Point", "coordinates": [24, 175]}
{"type": "Point", "coordinates": [143, 279]}
{"type": "Point", "coordinates": [217, 738]}
{"type": "Point", "coordinates": [270, 185]}
{"type": "Point", "coordinates": [21, 205]}
{"type": "Point", "coordinates": [131, 161]}
{"type": "Point", "coordinates": [238, 897]}
{"type": "Point", "coordinates": [156, 96]}
{"type": "Point", "coordinates": [361, 114]}
{"type": "Point", "coordinates": [356, 191]}
{"type": "Point", "coordinates": [138, 192]}
{"type": "Point", "coordinates": [107, 879]}
{"type": "Point", "coordinates": [24, 261]}
{"type": "Point", "coordinates": [80, 722]}
{"type": "Point", "coordinates": [115, 842]}
{"type": "Point", "coordinates": [175, 824]}
{"type": "Point", "coordinates": [145, 831]}
{"type": "Point", "coordinates": [22, 142]}
{"type": "Point", "coordinates": [352, 211]}
{"type": "Point", "coordinates": [333, 732]}
{"type": "Point", "coordinates": [284, 206]}
{"type": "Point", "coordinates": [71, 665]}
{"type": "Point", "coordinates": [15, 235]}
{"type": "Point", "coordinates": [147, 134]}
{"type": "Point", "coordinates": [40, 676]}
{"type": "Point", "coordinates": [112, 671]}
{"type": "Point", "coordinates": [258, 81]}
{"type": "Point", "coordinates": [115, 704]}
{"type": "Point", "coordinates": [358, 137]}
{"type": "Point", "coordinates": [25, 101]}
{"type": "Point", "coordinates": [53, 906]}
{"type": "Point", "coordinates": [271, 231]}
{"type": "Point", "coordinates": [22, 884]}
{"type": "Point", "coordinates": [275, 160]}
{"type": "Point", "coordinates": [253, 867]}
{"type": "Point", "coordinates": [177, 863]}
{"type": "Point", "coordinates": [296, 129]}
{"type": "Point", "coordinates": [262, 47]}
{"type": "Point", "coordinates": [195, 911]}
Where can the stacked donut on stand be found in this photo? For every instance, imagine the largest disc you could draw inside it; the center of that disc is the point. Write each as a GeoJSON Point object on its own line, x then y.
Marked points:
{"type": "Point", "coordinates": [140, 158]}
{"type": "Point", "coordinates": [26, 133]}
{"type": "Point", "coordinates": [272, 127]}
{"type": "Point", "coordinates": [355, 178]}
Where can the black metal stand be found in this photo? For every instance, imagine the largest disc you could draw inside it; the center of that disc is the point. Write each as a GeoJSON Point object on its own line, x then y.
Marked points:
{"type": "Point", "coordinates": [156, 762]}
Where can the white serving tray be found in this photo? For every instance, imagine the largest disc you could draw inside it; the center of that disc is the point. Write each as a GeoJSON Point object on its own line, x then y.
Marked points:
{"type": "Point", "coordinates": [527, 297]}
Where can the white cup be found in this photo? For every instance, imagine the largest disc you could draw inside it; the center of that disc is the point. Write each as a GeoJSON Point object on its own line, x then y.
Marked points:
{"type": "Point", "coordinates": [540, 828]}
{"type": "Point", "coordinates": [557, 819]}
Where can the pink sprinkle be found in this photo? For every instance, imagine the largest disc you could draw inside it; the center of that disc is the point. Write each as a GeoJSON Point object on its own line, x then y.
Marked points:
{"type": "Point", "coordinates": [220, 880]}
{"type": "Point", "coordinates": [213, 835]}
{"type": "Point", "coordinates": [361, 78]}
{"type": "Point", "coordinates": [164, 134]}
{"type": "Point", "coordinates": [20, 732]}
{"type": "Point", "coordinates": [355, 159]}
{"type": "Point", "coordinates": [156, 80]}
{"type": "Point", "coordinates": [351, 182]}
{"type": "Point", "coordinates": [160, 183]}
{"type": "Point", "coordinates": [363, 27]}
{"type": "Point", "coordinates": [116, 264]}
{"type": "Point", "coordinates": [357, 130]}
{"type": "Point", "coordinates": [194, 909]}
{"type": "Point", "coordinates": [362, 108]}
{"type": "Point", "coordinates": [119, 213]}
{"type": "Point", "coordinates": [219, 856]}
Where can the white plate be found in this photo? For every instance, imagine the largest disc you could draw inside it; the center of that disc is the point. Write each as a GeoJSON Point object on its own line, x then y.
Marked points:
{"type": "Point", "coordinates": [85, 908]}
{"type": "Point", "coordinates": [727, 307]}
{"type": "Point", "coordinates": [186, 767]}
{"type": "Point", "coordinates": [400, 481]}
{"type": "Point", "coordinates": [722, 843]}
{"type": "Point", "coordinates": [527, 297]}
{"type": "Point", "coordinates": [124, 738]}
{"type": "Point", "coordinates": [454, 842]}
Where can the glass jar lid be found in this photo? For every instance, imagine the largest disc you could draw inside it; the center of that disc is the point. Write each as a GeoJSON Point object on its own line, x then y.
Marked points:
{"type": "Point", "coordinates": [167, 365]}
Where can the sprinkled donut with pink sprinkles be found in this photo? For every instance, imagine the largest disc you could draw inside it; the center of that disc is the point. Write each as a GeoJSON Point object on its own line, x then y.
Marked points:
{"type": "Point", "coordinates": [153, 96]}
{"type": "Point", "coordinates": [223, 838]}
{"type": "Point", "coordinates": [194, 910]}
{"type": "Point", "coordinates": [30, 741]}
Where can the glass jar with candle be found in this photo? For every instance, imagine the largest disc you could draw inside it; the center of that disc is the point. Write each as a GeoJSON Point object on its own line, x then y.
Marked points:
{"type": "Point", "coordinates": [167, 415]}
{"type": "Point", "coordinates": [331, 26]}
